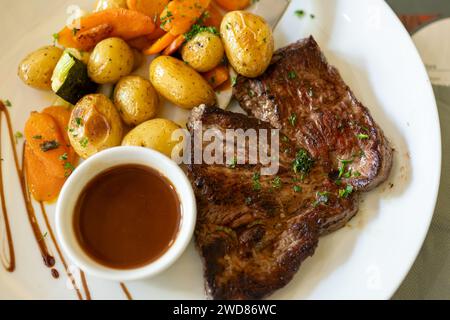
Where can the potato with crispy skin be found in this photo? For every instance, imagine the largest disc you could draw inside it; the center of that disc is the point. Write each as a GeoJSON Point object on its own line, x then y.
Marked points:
{"type": "Point", "coordinates": [36, 69]}
{"type": "Point", "coordinates": [154, 134]}
{"type": "Point", "coordinates": [94, 125]}
{"type": "Point", "coordinates": [111, 59]}
{"type": "Point", "coordinates": [136, 100]}
{"type": "Point", "coordinates": [203, 52]}
{"type": "Point", "coordinates": [179, 83]}
{"type": "Point", "coordinates": [248, 42]}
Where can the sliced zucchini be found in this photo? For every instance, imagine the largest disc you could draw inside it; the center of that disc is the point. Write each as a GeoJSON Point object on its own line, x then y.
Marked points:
{"type": "Point", "coordinates": [70, 79]}
{"type": "Point", "coordinates": [83, 56]}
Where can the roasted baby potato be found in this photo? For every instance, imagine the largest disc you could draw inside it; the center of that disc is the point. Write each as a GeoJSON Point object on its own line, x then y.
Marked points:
{"type": "Point", "coordinates": [248, 42]}
{"type": "Point", "coordinates": [203, 52]}
{"type": "Point", "coordinates": [94, 125]}
{"type": "Point", "coordinates": [110, 4]}
{"type": "Point", "coordinates": [136, 100]}
{"type": "Point", "coordinates": [36, 69]}
{"type": "Point", "coordinates": [111, 59]}
{"type": "Point", "coordinates": [179, 83]}
{"type": "Point", "coordinates": [155, 134]}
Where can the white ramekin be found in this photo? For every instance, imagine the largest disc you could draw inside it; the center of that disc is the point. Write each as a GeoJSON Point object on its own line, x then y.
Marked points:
{"type": "Point", "coordinates": [90, 169]}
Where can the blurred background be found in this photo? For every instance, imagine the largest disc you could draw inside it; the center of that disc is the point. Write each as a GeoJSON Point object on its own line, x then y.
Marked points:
{"type": "Point", "coordinates": [428, 22]}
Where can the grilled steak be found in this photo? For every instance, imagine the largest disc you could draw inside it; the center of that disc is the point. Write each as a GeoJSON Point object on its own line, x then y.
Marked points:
{"type": "Point", "coordinates": [253, 231]}
{"type": "Point", "coordinates": [306, 98]}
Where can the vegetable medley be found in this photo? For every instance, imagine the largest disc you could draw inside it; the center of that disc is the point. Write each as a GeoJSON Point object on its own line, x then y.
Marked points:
{"type": "Point", "coordinates": [193, 44]}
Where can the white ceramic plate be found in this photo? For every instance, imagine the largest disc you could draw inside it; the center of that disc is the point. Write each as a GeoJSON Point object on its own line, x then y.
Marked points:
{"type": "Point", "coordinates": [366, 260]}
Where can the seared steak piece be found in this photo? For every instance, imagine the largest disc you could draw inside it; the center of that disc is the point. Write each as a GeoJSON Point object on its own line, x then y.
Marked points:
{"type": "Point", "coordinates": [306, 98]}
{"type": "Point", "coordinates": [253, 231]}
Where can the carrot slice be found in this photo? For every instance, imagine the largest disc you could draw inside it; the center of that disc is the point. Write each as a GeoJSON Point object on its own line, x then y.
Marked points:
{"type": "Point", "coordinates": [175, 45]}
{"type": "Point", "coordinates": [62, 117]}
{"type": "Point", "coordinates": [43, 185]}
{"type": "Point", "coordinates": [151, 8]}
{"type": "Point", "coordinates": [143, 42]}
{"type": "Point", "coordinates": [126, 24]}
{"type": "Point", "coordinates": [160, 44]}
{"type": "Point", "coordinates": [217, 76]}
{"type": "Point", "coordinates": [214, 17]}
{"type": "Point", "coordinates": [45, 139]}
{"type": "Point", "coordinates": [158, 33]}
{"type": "Point", "coordinates": [49, 158]}
{"type": "Point", "coordinates": [90, 37]}
{"type": "Point", "coordinates": [231, 5]}
{"type": "Point", "coordinates": [179, 15]}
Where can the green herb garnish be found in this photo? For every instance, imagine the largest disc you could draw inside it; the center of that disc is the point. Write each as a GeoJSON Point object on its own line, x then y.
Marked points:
{"type": "Point", "coordinates": [18, 135]}
{"type": "Point", "coordinates": [321, 197]}
{"type": "Point", "coordinates": [196, 29]}
{"type": "Point", "coordinates": [55, 38]}
{"type": "Point", "coordinates": [233, 81]}
{"type": "Point", "coordinates": [49, 145]}
{"type": "Point", "coordinates": [292, 119]}
{"type": "Point", "coordinates": [343, 166]}
{"type": "Point", "coordinates": [63, 157]}
{"type": "Point", "coordinates": [68, 166]}
{"type": "Point", "coordinates": [37, 137]}
{"type": "Point", "coordinates": [84, 142]}
{"type": "Point", "coordinates": [233, 163]}
{"type": "Point", "coordinates": [276, 183]}
{"type": "Point", "coordinates": [303, 162]}
{"type": "Point", "coordinates": [299, 13]}
{"type": "Point", "coordinates": [167, 18]}
{"type": "Point", "coordinates": [348, 174]}
{"type": "Point", "coordinates": [43, 236]}
{"type": "Point", "coordinates": [363, 136]}
{"type": "Point", "coordinates": [256, 182]}
{"type": "Point", "coordinates": [297, 189]}
{"type": "Point", "coordinates": [7, 103]}
{"type": "Point", "coordinates": [203, 17]}
{"type": "Point", "coordinates": [292, 75]}
{"type": "Point", "coordinates": [78, 121]}
{"type": "Point", "coordinates": [345, 193]}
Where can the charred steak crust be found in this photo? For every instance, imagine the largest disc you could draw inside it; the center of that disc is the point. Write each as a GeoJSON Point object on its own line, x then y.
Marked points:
{"type": "Point", "coordinates": [253, 241]}
{"type": "Point", "coordinates": [306, 98]}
